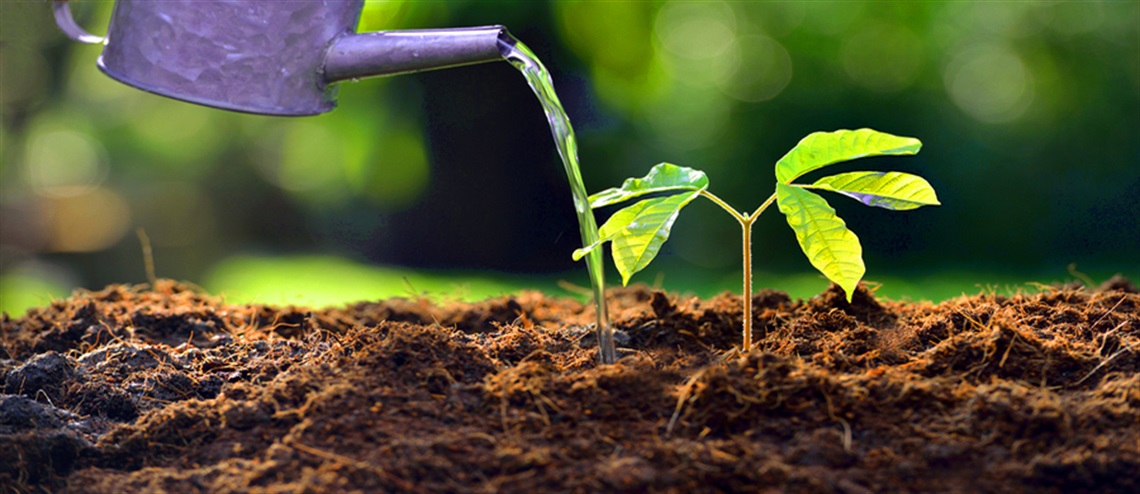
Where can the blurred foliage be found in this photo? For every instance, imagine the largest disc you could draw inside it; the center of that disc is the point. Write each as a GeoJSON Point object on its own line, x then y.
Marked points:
{"type": "Point", "coordinates": [1029, 111]}
{"type": "Point", "coordinates": [324, 280]}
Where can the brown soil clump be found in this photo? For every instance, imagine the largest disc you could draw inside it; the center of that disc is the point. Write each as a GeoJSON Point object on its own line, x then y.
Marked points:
{"type": "Point", "coordinates": [166, 389]}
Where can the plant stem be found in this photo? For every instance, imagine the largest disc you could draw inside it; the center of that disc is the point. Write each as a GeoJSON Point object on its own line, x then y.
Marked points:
{"type": "Point", "coordinates": [746, 251]}
{"type": "Point", "coordinates": [746, 226]}
{"type": "Point", "coordinates": [724, 205]}
{"type": "Point", "coordinates": [756, 214]}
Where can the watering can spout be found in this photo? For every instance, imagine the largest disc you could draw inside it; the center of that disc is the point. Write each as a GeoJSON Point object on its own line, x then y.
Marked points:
{"type": "Point", "coordinates": [400, 52]}
{"type": "Point", "coordinates": [266, 56]}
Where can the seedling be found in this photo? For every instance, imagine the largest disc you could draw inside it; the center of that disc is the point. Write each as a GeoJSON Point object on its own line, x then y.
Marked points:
{"type": "Point", "coordinates": [637, 232]}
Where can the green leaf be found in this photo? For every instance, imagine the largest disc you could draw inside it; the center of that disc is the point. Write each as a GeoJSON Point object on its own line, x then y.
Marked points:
{"type": "Point", "coordinates": [891, 190]}
{"type": "Point", "coordinates": [638, 231]}
{"type": "Point", "coordinates": [820, 149]}
{"type": "Point", "coordinates": [828, 244]}
{"type": "Point", "coordinates": [661, 178]}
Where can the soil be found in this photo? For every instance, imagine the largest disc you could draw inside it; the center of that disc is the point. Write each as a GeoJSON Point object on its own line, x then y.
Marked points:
{"type": "Point", "coordinates": [164, 388]}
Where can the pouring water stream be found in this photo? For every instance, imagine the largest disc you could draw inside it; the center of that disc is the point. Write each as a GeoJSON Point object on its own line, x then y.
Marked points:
{"type": "Point", "coordinates": [517, 53]}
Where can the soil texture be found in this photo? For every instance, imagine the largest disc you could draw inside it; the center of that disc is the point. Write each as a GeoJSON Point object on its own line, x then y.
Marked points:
{"type": "Point", "coordinates": [165, 388]}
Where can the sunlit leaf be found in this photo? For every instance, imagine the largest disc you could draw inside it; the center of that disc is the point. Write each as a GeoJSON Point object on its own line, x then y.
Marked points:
{"type": "Point", "coordinates": [891, 190]}
{"type": "Point", "coordinates": [832, 248]}
{"type": "Point", "coordinates": [664, 177]}
{"type": "Point", "coordinates": [638, 231]}
{"type": "Point", "coordinates": [820, 149]}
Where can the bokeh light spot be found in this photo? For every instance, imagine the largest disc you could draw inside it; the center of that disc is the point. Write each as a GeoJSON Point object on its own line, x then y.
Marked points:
{"type": "Point", "coordinates": [1005, 19]}
{"type": "Point", "coordinates": [697, 42]}
{"type": "Point", "coordinates": [704, 72]}
{"type": "Point", "coordinates": [62, 162]}
{"type": "Point", "coordinates": [87, 222]}
{"type": "Point", "coordinates": [689, 119]}
{"type": "Point", "coordinates": [765, 69]}
{"type": "Point", "coordinates": [696, 30]}
{"type": "Point", "coordinates": [990, 83]}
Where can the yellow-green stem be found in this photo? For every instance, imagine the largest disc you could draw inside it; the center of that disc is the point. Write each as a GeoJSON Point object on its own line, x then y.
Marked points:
{"type": "Point", "coordinates": [756, 214]}
{"type": "Point", "coordinates": [746, 250]}
{"type": "Point", "coordinates": [746, 226]}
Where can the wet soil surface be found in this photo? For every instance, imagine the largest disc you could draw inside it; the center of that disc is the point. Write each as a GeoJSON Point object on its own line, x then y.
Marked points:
{"type": "Point", "coordinates": [167, 389]}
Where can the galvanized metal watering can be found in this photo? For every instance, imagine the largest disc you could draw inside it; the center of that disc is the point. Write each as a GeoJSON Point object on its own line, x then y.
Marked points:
{"type": "Point", "coordinates": [267, 57]}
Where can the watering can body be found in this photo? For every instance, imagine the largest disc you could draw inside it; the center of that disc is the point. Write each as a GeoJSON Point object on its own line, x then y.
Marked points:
{"type": "Point", "coordinates": [267, 57]}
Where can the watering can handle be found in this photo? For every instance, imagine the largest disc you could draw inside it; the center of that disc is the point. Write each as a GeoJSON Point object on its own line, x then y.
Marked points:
{"type": "Point", "coordinates": [67, 23]}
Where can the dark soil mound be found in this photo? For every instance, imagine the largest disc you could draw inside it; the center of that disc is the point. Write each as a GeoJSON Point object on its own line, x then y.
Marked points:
{"type": "Point", "coordinates": [166, 389]}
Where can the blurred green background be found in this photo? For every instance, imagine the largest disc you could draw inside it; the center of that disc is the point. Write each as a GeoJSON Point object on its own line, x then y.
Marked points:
{"type": "Point", "coordinates": [447, 183]}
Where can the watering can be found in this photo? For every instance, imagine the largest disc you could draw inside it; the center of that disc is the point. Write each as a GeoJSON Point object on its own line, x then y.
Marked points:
{"type": "Point", "coordinates": [267, 57]}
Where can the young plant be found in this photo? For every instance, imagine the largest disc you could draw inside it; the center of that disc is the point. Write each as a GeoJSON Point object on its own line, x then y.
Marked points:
{"type": "Point", "coordinates": [638, 231]}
